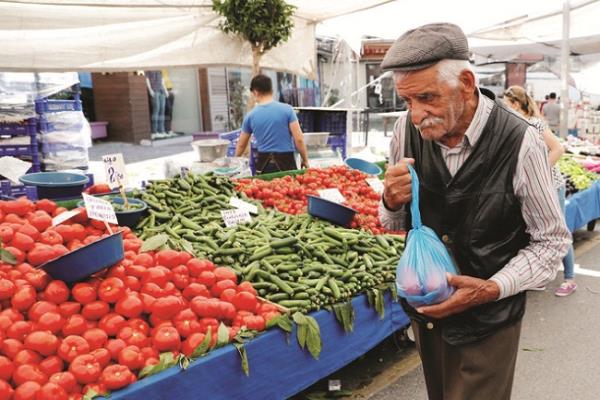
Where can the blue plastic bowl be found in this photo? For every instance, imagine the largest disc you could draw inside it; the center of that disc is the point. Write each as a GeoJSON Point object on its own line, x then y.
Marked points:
{"type": "Point", "coordinates": [56, 185]}
{"type": "Point", "coordinates": [125, 218]}
{"type": "Point", "coordinates": [331, 211]}
{"type": "Point", "coordinates": [362, 165]}
{"type": "Point", "coordinates": [83, 262]}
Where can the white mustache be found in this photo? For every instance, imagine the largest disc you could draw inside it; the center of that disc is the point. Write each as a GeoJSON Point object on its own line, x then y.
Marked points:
{"type": "Point", "coordinates": [430, 121]}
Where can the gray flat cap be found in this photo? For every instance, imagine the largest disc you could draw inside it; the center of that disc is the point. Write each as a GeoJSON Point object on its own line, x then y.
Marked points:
{"type": "Point", "coordinates": [424, 46]}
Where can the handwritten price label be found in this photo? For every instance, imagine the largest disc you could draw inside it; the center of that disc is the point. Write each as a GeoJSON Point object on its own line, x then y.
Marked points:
{"type": "Point", "coordinates": [235, 217]}
{"type": "Point", "coordinates": [114, 167]}
{"type": "Point", "coordinates": [99, 209]}
{"type": "Point", "coordinates": [332, 195]}
{"type": "Point", "coordinates": [243, 205]}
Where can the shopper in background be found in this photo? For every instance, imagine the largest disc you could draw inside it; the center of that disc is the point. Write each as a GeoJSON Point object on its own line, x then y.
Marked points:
{"type": "Point", "coordinates": [276, 129]}
{"type": "Point", "coordinates": [517, 98]}
{"type": "Point", "coordinates": [551, 112]}
{"type": "Point", "coordinates": [486, 190]}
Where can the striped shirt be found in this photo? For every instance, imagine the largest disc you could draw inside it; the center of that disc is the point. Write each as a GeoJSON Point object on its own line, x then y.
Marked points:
{"type": "Point", "coordinates": [536, 264]}
{"type": "Point", "coordinates": [557, 179]}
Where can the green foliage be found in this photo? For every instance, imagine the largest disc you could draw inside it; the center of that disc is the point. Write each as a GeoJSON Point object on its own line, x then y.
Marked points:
{"type": "Point", "coordinates": [263, 23]}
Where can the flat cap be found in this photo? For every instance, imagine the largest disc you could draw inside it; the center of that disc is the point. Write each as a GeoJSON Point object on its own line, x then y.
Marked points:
{"type": "Point", "coordinates": [426, 45]}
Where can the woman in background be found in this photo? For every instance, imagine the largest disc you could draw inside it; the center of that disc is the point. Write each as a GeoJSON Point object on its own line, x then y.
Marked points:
{"type": "Point", "coordinates": [517, 98]}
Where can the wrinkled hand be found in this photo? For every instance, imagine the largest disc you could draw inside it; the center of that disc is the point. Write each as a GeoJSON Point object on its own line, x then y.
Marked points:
{"type": "Point", "coordinates": [397, 191]}
{"type": "Point", "coordinates": [469, 292]}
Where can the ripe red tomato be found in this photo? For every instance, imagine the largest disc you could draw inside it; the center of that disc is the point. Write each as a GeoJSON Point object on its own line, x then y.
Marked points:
{"type": "Point", "coordinates": [23, 298]}
{"type": "Point", "coordinates": [195, 289]}
{"type": "Point", "coordinates": [6, 391]}
{"type": "Point", "coordinates": [114, 346]}
{"type": "Point", "coordinates": [206, 278]}
{"type": "Point", "coordinates": [245, 301]}
{"type": "Point", "coordinates": [195, 266]}
{"type": "Point", "coordinates": [95, 337]}
{"type": "Point", "coordinates": [7, 289]}
{"type": "Point", "coordinates": [69, 308]}
{"type": "Point", "coordinates": [131, 357]}
{"type": "Point", "coordinates": [167, 258]}
{"type": "Point", "coordinates": [51, 391]}
{"type": "Point", "coordinates": [27, 356]}
{"type": "Point", "coordinates": [112, 323]}
{"type": "Point", "coordinates": [95, 310]}
{"type": "Point", "coordinates": [228, 295]}
{"type": "Point", "coordinates": [223, 273]}
{"type": "Point", "coordinates": [167, 307]}
{"type": "Point", "coordinates": [130, 306]}
{"type": "Point", "coordinates": [66, 380]}
{"type": "Point", "coordinates": [144, 259]}
{"type": "Point", "coordinates": [191, 343]}
{"type": "Point", "coordinates": [27, 391]}
{"type": "Point", "coordinates": [117, 376]}
{"type": "Point", "coordinates": [133, 337]}
{"type": "Point", "coordinates": [44, 343]}
{"type": "Point", "coordinates": [51, 321]}
{"type": "Point", "coordinates": [10, 347]}
{"type": "Point", "coordinates": [246, 287]}
{"type": "Point", "coordinates": [19, 330]}
{"type": "Point", "coordinates": [220, 286]}
{"type": "Point", "coordinates": [102, 356]}
{"type": "Point", "coordinates": [40, 308]}
{"type": "Point", "coordinates": [73, 346]}
{"type": "Point", "coordinates": [166, 338]}
{"type": "Point", "coordinates": [6, 368]}
{"type": "Point", "coordinates": [111, 290]}
{"type": "Point", "coordinates": [27, 372]}
{"type": "Point", "coordinates": [51, 365]}
{"type": "Point", "coordinates": [75, 325]}
{"type": "Point", "coordinates": [85, 369]}
{"type": "Point", "coordinates": [83, 292]}
{"type": "Point", "coordinates": [56, 292]}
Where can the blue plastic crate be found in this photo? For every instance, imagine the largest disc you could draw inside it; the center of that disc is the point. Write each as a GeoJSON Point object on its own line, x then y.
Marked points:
{"type": "Point", "coordinates": [25, 128]}
{"type": "Point", "coordinates": [332, 122]}
{"type": "Point", "coordinates": [307, 121]}
{"type": "Point", "coordinates": [43, 106]}
{"type": "Point", "coordinates": [10, 190]}
{"type": "Point", "coordinates": [57, 147]}
{"type": "Point", "coordinates": [18, 150]}
{"type": "Point", "coordinates": [231, 136]}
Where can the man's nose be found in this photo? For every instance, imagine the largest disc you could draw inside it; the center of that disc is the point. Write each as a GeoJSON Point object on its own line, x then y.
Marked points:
{"type": "Point", "coordinates": [418, 115]}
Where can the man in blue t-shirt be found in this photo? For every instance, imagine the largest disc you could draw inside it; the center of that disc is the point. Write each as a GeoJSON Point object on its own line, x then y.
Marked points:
{"type": "Point", "coordinates": [276, 129]}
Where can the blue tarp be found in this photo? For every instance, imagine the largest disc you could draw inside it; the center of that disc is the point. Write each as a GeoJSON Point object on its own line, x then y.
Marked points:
{"type": "Point", "coordinates": [583, 207]}
{"type": "Point", "coordinates": [278, 367]}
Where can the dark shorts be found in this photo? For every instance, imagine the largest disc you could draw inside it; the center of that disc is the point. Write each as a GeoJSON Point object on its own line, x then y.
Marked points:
{"type": "Point", "coordinates": [275, 162]}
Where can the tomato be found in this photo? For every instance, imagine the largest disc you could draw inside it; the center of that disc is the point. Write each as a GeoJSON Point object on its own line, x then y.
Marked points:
{"type": "Point", "coordinates": [220, 286]}
{"type": "Point", "coordinates": [255, 322]}
{"type": "Point", "coordinates": [27, 372]}
{"type": "Point", "coordinates": [111, 290]}
{"type": "Point", "coordinates": [46, 205]}
{"type": "Point", "coordinates": [195, 266]}
{"type": "Point", "coordinates": [223, 273]}
{"type": "Point", "coordinates": [51, 321]}
{"type": "Point", "coordinates": [96, 338]}
{"type": "Point", "coordinates": [167, 307]}
{"type": "Point", "coordinates": [39, 279]}
{"type": "Point", "coordinates": [13, 314]}
{"type": "Point", "coordinates": [6, 234]}
{"type": "Point", "coordinates": [158, 275]}
{"type": "Point", "coordinates": [114, 346]}
{"type": "Point", "coordinates": [95, 310]}
{"type": "Point", "coordinates": [207, 324]}
{"type": "Point", "coordinates": [17, 253]}
{"type": "Point", "coordinates": [83, 293]}
{"type": "Point", "coordinates": [65, 379]}
{"type": "Point", "coordinates": [40, 308]}
{"type": "Point", "coordinates": [29, 230]}
{"type": "Point", "coordinates": [167, 258]}
{"type": "Point", "coordinates": [112, 323]}
{"type": "Point", "coordinates": [85, 369]}
{"type": "Point", "coordinates": [68, 308]}
{"type": "Point", "coordinates": [131, 357]}
{"type": "Point", "coordinates": [23, 298]}
{"type": "Point", "coordinates": [44, 343]}
{"type": "Point", "coordinates": [73, 346]}
{"type": "Point", "coordinates": [56, 292]}
{"type": "Point", "coordinates": [6, 368]}
{"type": "Point", "coordinates": [51, 365]}
{"type": "Point", "coordinates": [228, 295]}
{"type": "Point", "coordinates": [132, 283]}
{"type": "Point", "coordinates": [27, 391]}
{"type": "Point", "coordinates": [10, 347]}
{"type": "Point", "coordinates": [149, 352]}
{"type": "Point", "coordinates": [6, 391]}
{"type": "Point", "coordinates": [246, 287]}
{"type": "Point", "coordinates": [117, 376]}
{"type": "Point", "coordinates": [132, 244]}
{"type": "Point", "coordinates": [144, 259]}
{"type": "Point", "coordinates": [27, 356]}
{"type": "Point", "coordinates": [130, 306]}
{"type": "Point", "coordinates": [51, 391]}
{"type": "Point", "coordinates": [245, 301]}
{"type": "Point", "coordinates": [139, 325]}
{"type": "Point", "coordinates": [65, 231]}
{"type": "Point", "coordinates": [206, 278]}
{"type": "Point", "coordinates": [133, 337]}
{"type": "Point", "coordinates": [19, 330]}
{"type": "Point", "coordinates": [186, 323]}
{"type": "Point", "coordinates": [22, 242]}
{"type": "Point", "coordinates": [7, 289]}
{"type": "Point", "coordinates": [102, 356]}
{"type": "Point", "coordinates": [166, 338]}
{"type": "Point", "coordinates": [191, 343]}
{"type": "Point", "coordinates": [195, 289]}
{"type": "Point", "coordinates": [75, 325]}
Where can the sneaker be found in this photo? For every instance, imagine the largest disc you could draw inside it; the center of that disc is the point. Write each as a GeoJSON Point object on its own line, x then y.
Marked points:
{"type": "Point", "coordinates": [538, 289]}
{"type": "Point", "coordinates": [566, 289]}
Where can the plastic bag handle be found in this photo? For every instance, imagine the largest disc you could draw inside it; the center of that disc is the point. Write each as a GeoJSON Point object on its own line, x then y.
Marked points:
{"type": "Point", "coordinates": [414, 204]}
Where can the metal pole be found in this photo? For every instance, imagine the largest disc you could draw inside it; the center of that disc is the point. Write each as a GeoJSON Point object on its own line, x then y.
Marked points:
{"type": "Point", "coordinates": [564, 71]}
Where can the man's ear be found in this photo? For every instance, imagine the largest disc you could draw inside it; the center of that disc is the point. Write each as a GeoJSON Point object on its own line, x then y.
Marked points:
{"type": "Point", "coordinates": [467, 80]}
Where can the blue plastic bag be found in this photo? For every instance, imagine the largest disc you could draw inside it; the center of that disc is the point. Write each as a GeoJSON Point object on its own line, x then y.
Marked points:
{"type": "Point", "coordinates": [421, 271]}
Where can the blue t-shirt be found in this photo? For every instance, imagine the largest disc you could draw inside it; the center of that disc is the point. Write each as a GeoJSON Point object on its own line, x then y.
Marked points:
{"type": "Point", "coordinates": [269, 123]}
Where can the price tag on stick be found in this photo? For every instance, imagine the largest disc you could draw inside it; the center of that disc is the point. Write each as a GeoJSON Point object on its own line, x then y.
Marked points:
{"type": "Point", "coordinates": [100, 210]}
{"type": "Point", "coordinates": [332, 195]}
{"type": "Point", "coordinates": [235, 217]}
{"type": "Point", "coordinates": [114, 167]}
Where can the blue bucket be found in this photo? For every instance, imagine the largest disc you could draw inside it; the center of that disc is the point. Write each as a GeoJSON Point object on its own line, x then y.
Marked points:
{"type": "Point", "coordinates": [362, 165]}
{"type": "Point", "coordinates": [331, 211]}
{"type": "Point", "coordinates": [83, 262]}
{"type": "Point", "coordinates": [56, 185]}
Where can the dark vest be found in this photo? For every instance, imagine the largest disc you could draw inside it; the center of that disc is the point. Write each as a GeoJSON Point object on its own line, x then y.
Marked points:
{"type": "Point", "coordinates": [476, 214]}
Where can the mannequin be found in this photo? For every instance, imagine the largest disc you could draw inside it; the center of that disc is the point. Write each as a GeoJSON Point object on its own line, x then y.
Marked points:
{"type": "Point", "coordinates": [169, 101]}
{"type": "Point", "coordinates": [158, 95]}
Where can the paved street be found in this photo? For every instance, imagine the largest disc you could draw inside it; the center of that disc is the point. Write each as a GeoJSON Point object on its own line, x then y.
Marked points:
{"type": "Point", "coordinates": [560, 344]}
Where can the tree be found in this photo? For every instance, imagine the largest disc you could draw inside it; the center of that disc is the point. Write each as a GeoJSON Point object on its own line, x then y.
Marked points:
{"type": "Point", "coordinates": [263, 23]}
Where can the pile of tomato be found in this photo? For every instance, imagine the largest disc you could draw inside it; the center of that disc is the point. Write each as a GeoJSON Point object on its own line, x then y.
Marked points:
{"type": "Point", "coordinates": [59, 341]}
{"type": "Point", "coordinates": [288, 194]}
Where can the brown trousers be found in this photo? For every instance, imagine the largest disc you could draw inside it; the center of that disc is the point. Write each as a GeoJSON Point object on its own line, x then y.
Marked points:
{"type": "Point", "coordinates": [482, 370]}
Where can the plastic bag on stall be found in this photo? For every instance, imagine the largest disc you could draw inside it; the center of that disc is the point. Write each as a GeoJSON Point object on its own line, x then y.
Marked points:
{"type": "Point", "coordinates": [421, 271]}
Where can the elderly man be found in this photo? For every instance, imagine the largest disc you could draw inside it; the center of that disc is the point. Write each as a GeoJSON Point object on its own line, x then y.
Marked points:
{"type": "Point", "coordinates": [486, 190]}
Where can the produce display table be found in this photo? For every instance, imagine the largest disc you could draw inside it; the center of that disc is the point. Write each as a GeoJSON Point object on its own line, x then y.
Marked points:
{"type": "Point", "coordinates": [583, 207]}
{"type": "Point", "coordinates": [278, 370]}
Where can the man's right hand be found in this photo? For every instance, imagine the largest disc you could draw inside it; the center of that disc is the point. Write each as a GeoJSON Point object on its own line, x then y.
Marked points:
{"type": "Point", "coordinates": [397, 190]}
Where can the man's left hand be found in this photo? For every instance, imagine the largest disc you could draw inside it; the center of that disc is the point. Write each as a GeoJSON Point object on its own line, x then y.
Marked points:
{"type": "Point", "coordinates": [469, 292]}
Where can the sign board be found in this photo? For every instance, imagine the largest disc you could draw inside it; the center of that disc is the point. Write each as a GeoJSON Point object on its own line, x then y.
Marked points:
{"type": "Point", "coordinates": [243, 205]}
{"type": "Point", "coordinates": [235, 217]}
{"type": "Point", "coordinates": [375, 184]}
{"type": "Point", "coordinates": [12, 168]}
{"type": "Point", "coordinates": [331, 195]}
{"type": "Point", "coordinates": [65, 216]}
{"type": "Point", "coordinates": [99, 209]}
{"type": "Point", "coordinates": [114, 168]}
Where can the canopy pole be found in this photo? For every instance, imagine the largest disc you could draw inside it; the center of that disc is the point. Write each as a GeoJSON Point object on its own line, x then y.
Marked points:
{"type": "Point", "coordinates": [564, 71]}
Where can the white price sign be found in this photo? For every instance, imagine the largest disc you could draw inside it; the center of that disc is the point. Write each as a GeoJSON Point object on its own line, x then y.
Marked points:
{"type": "Point", "coordinates": [376, 185]}
{"type": "Point", "coordinates": [65, 216]}
{"type": "Point", "coordinates": [99, 209]}
{"type": "Point", "coordinates": [332, 195]}
{"type": "Point", "coordinates": [243, 205]}
{"type": "Point", "coordinates": [235, 217]}
{"type": "Point", "coordinates": [13, 168]}
{"type": "Point", "coordinates": [114, 167]}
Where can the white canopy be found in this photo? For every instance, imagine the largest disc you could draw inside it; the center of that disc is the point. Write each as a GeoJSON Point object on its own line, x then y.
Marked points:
{"type": "Point", "coordinates": [103, 35]}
